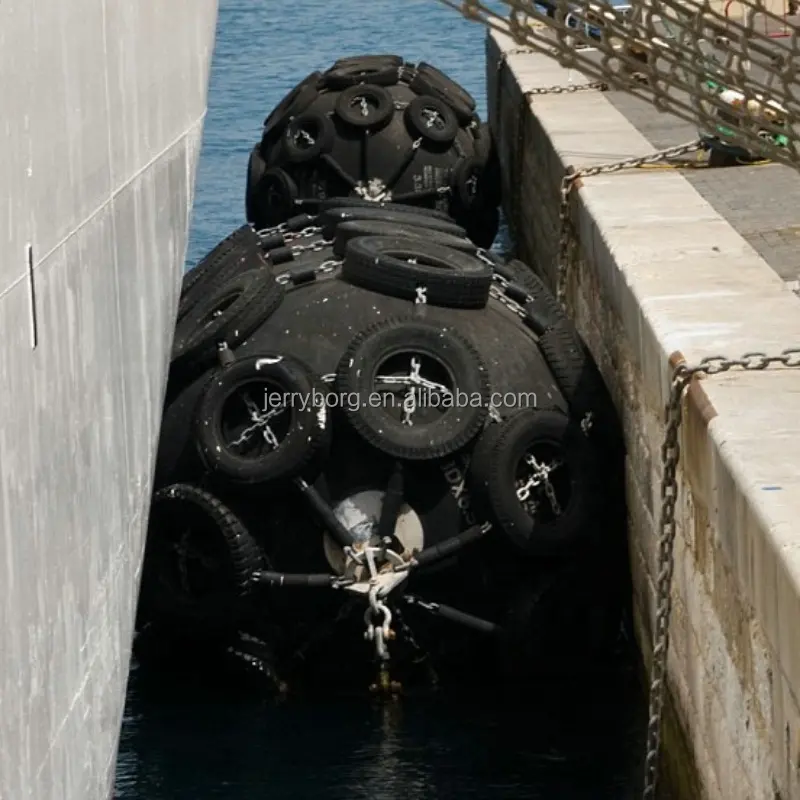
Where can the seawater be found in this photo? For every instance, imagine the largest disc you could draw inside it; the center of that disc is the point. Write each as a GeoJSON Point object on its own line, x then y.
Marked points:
{"type": "Point", "coordinates": [579, 740]}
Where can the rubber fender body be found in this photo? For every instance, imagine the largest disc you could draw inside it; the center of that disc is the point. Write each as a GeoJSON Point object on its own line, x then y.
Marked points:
{"type": "Point", "coordinates": [394, 349]}
{"type": "Point", "coordinates": [295, 102]}
{"type": "Point", "coordinates": [402, 267]}
{"type": "Point", "coordinates": [262, 418]}
{"type": "Point", "coordinates": [229, 314]}
{"type": "Point", "coordinates": [274, 199]}
{"type": "Point", "coordinates": [236, 253]}
{"type": "Point", "coordinates": [351, 230]}
{"type": "Point", "coordinates": [329, 219]}
{"type": "Point", "coordinates": [256, 167]}
{"type": "Point", "coordinates": [199, 560]}
{"type": "Point", "coordinates": [539, 448]}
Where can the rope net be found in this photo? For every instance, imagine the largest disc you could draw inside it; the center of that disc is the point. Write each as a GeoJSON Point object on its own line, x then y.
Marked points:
{"type": "Point", "coordinates": [728, 67]}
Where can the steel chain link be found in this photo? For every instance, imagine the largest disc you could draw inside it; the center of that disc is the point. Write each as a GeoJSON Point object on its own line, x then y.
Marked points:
{"type": "Point", "coordinates": [670, 458]}
{"type": "Point", "coordinates": [567, 238]}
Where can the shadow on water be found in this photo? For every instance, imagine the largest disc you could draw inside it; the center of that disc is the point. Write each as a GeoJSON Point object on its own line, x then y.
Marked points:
{"type": "Point", "coordinates": [571, 740]}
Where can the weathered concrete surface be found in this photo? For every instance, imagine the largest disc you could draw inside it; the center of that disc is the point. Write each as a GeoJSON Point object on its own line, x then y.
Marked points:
{"type": "Point", "coordinates": [103, 102]}
{"type": "Point", "coordinates": [658, 271]}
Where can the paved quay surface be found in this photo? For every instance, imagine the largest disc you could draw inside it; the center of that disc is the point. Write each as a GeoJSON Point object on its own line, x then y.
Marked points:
{"type": "Point", "coordinates": [761, 202]}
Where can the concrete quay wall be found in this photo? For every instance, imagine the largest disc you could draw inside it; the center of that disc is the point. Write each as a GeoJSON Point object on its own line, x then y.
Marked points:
{"type": "Point", "coordinates": [657, 274]}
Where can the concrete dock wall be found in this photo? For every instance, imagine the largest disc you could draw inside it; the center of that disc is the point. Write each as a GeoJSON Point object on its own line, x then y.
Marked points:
{"type": "Point", "coordinates": [103, 102]}
{"type": "Point", "coordinates": [658, 273]}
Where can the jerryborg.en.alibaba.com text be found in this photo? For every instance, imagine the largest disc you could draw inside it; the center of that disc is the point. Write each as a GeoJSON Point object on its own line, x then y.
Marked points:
{"type": "Point", "coordinates": [422, 398]}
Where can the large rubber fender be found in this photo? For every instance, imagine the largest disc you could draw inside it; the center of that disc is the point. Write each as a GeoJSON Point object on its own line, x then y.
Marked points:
{"type": "Point", "coordinates": [370, 128]}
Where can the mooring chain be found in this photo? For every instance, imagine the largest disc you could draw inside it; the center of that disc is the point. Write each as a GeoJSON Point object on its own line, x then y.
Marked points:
{"type": "Point", "coordinates": [324, 268]}
{"type": "Point", "coordinates": [670, 458]}
{"type": "Point", "coordinates": [566, 233]}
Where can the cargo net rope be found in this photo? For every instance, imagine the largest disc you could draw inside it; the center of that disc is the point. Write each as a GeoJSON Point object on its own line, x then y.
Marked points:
{"type": "Point", "coordinates": [727, 66]}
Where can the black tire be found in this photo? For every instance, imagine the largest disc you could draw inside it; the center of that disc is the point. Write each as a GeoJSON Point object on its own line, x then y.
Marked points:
{"type": "Point", "coordinates": [466, 183]}
{"type": "Point", "coordinates": [451, 279]}
{"type": "Point", "coordinates": [542, 309]}
{"type": "Point", "coordinates": [719, 158]}
{"type": "Point", "coordinates": [296, 102]}
{"type": "Point", "coordinates": [329, 219]}
{"type": "Point", "coordinates": [303, 434]}
{"type": "Point", "coordinates": [307, 137]}
{"type": "Point", "coordinates": [275, 200]}
{"type": "Point", "coordinates": [431, 119]}
{"type": "Point", "coordinates": [457, 360]}
{"type": "Point", "coordinates": [491, 187]}
{"type": "Point", "coordinates": [365, 107]}
{"type": "Point", "coordinates": [179, 514]}
{"type": "Point", "coordinates": [368, 62]}
{"type": "Point", "coordinates": [351, 230]}
{"type": "Point", "coordinates": [401, 208]}
{"type": "Point", "coordinates": [373, 73]}
{"type": "Point", "coordinates": [432, 81]}
{"type": "Point", "coordinates": [237, 252]}
{"type": "Point", "coordinates": [255, 171]}
{"type": "Point", "coordinates": [580, 382]}
{"type": "Point", "coordinates": [230, 313]}
{"type": "Point", "coordinates": [495, 468]}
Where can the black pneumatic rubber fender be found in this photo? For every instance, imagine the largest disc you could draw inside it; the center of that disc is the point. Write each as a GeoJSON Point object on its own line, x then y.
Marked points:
{"type": "Point", "coordinates": [542, 309]}
{"type": "Point", "coordinates": [304, 431]}
{"type": "Point", "coordinates": [431, 119]}
{"type": "Point", "coordinates": [185, 515]}
{"type": "Point", "coordinates": [400, 208]}
{"type": "Point", "coordinates": [329, 219]}
{"type": "Point", "coordinates": [381, 424]}
{"type": "Point", "coordinates": [237, 252]}
{"type": "Point", "coordinates": [495, 469]}
{"type": "Point", "coordinates": [308, 136]}
{"type": "Point", "coordinates": [355, 100]}
{"type": "Point", "coordinates": [352, 230]}
{"type": "Point", "coordinates": [368, 61]}
{"type": "Point", "coordinates": [400, 267]}
{"type": "Point", "coordinates": [486, 152]}
{"type": "Point", "coordinates": [230, 313]}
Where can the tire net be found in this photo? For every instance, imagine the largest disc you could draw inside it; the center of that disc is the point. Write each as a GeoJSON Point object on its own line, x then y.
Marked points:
{"type": "Point", "coordinates": [728, 67]}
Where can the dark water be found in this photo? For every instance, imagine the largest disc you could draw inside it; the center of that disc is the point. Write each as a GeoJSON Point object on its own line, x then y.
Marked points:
{"type": "Point", "coordinates": [578, 741]}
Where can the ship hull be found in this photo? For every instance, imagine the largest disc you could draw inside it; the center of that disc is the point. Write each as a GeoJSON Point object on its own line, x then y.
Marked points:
{"type": "Point", "coordinates": [103, 108]}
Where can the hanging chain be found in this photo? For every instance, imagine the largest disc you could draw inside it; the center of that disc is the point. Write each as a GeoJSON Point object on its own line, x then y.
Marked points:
{"type": "Point", "coordinates": [566, 233]}
{"type": "Point", "coordinates": [670, 458]}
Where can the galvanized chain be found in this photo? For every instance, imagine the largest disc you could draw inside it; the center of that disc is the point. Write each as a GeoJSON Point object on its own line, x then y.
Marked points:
{"type": "Point", "coordinates": [670, 458]}
{"type": "Point", "coordinates": [326, 267]}
{"type": "Point", "coordinates": [576, 87]}
{"type": "Point", "coordinates": [566, 232]}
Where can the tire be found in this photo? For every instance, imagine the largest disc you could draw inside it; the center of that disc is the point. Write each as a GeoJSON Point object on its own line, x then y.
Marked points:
{"type": "Point", "coordinates": [466, 183]}
{"type": "Point", "coordinates": [494, 471]}
{"type": "Point", "coordinates": [329, 219]}
{"type": "Point", "coordinates": [275, 200]}
{"type": "Point", "coordinates": [431, 119]}
{"type": "Point", "coordinates": [451, 279]}
{"type": "Point", "coordinates": [255, 171]}
{"type": "Point", "coordinates": [431, 81]}
{"type": "Point", "coordinates": [296, 102]}
{"type": "Point", "coordinates": [580, 382]}
{"type": "Point", "coordinates": [351, 230]}
{"type": "Point", "coordinates": [353, 74]}
{"type": "Point", "coordinates": [177, 512]}
{"type": "Point", "coordinates": [542, 309]}
{"type": "Point", "coordinates": [238, 252]}
{"type": "Point", "coordinates": [230, 313]}
{"type": "Point", "coordinates": [491, 187]}
{"type": "Point", "coordinates": [448, 432]}
{"type": "Point", "coordinates": [353, 101]}
{"type": "Point", "coordinates": [400, 208]}
{"type": "Point", "coordinates": [304, 433]}
{"type": "Point", "coordinates": [307, 137]}
{"type": "Point", "coordinates": [368, 62]}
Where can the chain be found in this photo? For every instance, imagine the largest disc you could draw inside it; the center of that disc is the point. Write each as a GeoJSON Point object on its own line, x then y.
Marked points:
{"type": "Point", "coordinates": [322, 269]}
{"type": "Point", "coordinates": [566, 238]}
{"type": "Point", "coordinates": [314, 247]}
{"type": "Point", "coordinates": [670, 457]}
{"type": "Point", "coordinates": [581, 87]}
